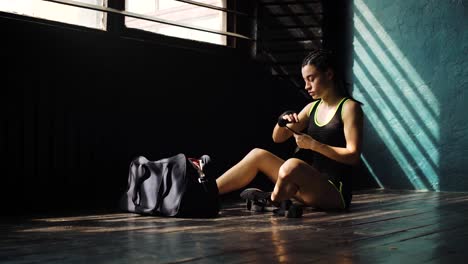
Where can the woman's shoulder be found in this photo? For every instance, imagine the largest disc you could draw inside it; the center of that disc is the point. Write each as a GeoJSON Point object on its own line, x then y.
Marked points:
{"type": "Point", "coordinates": [308, 108]}
{"type": "Point", "coordinates": [351, 107]}
{"type": "Point", "coordinates": [351, 101]}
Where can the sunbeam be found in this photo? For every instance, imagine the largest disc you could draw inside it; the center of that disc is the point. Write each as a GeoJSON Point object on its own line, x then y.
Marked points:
{"type": "Point", "coordinates": [398, 114]}
{"type": "Point", "coordinates": [392, 49]}
{"type": "Point", "coordinates": [371, 171]}
{"type": "Point", "coordinates": [378, 124]}
{"type": "Point", "coordinates": [406, 90]}
{"type": "Point", "coordinates": [398, 103]}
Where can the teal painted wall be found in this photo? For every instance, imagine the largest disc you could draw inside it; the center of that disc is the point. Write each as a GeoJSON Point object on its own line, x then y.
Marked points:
{"type": "Point", "coordinates": [410, 70]}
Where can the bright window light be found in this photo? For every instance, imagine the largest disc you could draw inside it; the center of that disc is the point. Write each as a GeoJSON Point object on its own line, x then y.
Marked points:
{"type": "Point", "coordinates": [58, 12]}
{"type": "Point", "coordinates": [179, 12]}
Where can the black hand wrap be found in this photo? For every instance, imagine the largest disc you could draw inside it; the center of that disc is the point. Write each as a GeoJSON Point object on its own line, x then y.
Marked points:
{"type": "Point", "coordinates": [282, 122]}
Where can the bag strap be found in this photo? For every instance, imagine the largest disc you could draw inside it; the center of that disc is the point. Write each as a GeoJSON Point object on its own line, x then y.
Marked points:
{"type": "Point", "coordinates": [198, 164]}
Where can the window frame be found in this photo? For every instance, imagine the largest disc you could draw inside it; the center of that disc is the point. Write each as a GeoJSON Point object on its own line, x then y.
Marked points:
{"type": "Point", "coordinates": [115, 26]}
{"type": "Point", "coordinates": [233, 24]}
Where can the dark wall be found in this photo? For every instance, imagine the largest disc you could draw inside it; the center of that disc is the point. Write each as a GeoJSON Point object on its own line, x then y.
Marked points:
{"type": "Point", "coordinates": [78, 105]}
{"type": "Point", "coordinates": [338, 34]}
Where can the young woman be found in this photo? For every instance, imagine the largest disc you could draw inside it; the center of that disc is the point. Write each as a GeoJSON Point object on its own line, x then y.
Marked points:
{"type": "Point", "coordinates": [330, 144]}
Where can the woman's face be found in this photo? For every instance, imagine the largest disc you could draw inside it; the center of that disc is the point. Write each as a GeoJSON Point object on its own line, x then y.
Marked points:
{"type": "Point", "coordinates": [316, 82]}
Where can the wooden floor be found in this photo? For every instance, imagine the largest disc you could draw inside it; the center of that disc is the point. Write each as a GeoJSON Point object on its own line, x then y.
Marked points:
{"type": "Point", "coordinates": [382, 227]}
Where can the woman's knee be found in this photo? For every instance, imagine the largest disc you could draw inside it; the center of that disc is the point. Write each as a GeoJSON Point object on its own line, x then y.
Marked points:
{"type": "Point", "coordinates": [257, 153]}
{"type": "Point", "coordinates": [289, 168]}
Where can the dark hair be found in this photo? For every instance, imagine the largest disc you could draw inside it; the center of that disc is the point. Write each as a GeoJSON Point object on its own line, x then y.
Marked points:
{"type": "Point", "coordinates": [320, 58]}
{"type": "Point", "coordinates": [325, 59]}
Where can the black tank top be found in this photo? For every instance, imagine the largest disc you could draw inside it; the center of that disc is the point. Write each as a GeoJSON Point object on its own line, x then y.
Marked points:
{"type": "Point", "coordinates": [332, 134]}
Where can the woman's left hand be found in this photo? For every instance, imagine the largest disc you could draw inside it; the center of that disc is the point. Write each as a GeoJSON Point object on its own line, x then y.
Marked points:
{"type": "Point", "coordinates": [305, 141]}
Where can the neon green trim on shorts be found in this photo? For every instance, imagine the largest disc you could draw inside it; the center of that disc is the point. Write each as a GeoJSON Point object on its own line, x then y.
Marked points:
{"type": "Point", "coordinates": [340, 191]}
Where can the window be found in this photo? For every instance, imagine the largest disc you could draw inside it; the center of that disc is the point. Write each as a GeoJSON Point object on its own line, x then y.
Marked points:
{"type": "Point", "coordinates": [180, 12]}
{"type": "Point", "coordinates": [58, 12]}
{"type": "Point", "coordinates": [201, 20]}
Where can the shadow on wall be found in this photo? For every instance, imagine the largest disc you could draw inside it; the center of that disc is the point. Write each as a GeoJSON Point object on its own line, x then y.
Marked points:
{"type": "Point", "coordinates": [404, 131]}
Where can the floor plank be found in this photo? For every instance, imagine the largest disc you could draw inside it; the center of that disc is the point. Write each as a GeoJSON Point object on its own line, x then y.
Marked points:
{"type": "Point", "coordinates": [383, 226]}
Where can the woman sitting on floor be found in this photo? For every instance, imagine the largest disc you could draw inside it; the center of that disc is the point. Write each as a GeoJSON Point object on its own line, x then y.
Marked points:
{"type": "Point", "coordinates": [319, 175]}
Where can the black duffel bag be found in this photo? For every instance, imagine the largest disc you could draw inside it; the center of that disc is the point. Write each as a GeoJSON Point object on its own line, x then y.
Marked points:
{"type": "Point", "coordinates": [175, 186]}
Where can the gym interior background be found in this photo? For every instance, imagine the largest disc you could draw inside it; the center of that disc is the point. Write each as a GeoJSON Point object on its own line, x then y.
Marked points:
{"type": "Point", "coordinates": [78, 104]}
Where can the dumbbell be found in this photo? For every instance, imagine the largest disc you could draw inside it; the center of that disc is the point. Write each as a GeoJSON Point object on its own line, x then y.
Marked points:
{"type": "Point", "coordinates": [289, 209]}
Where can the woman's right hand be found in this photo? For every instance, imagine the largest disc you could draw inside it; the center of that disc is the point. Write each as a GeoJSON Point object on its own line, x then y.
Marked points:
{"type": "Point", "coordinates": [298, 122]}
{"type": "Point", "coordinates": [287, 117]}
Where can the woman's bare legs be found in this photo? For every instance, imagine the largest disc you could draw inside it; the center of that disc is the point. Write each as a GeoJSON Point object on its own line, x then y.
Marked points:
{"type": "Point", "coordinates": [292, 178]}
{"type": "Point", "coordinates": [241, 174]}
{"type": "Point", "coordinates": [299, 179]}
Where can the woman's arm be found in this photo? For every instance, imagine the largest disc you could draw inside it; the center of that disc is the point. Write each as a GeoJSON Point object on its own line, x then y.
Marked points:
{"type": "Point", "coordinates": [298, 123]}
{"type": "Point", "coordinates": [353, 123]}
